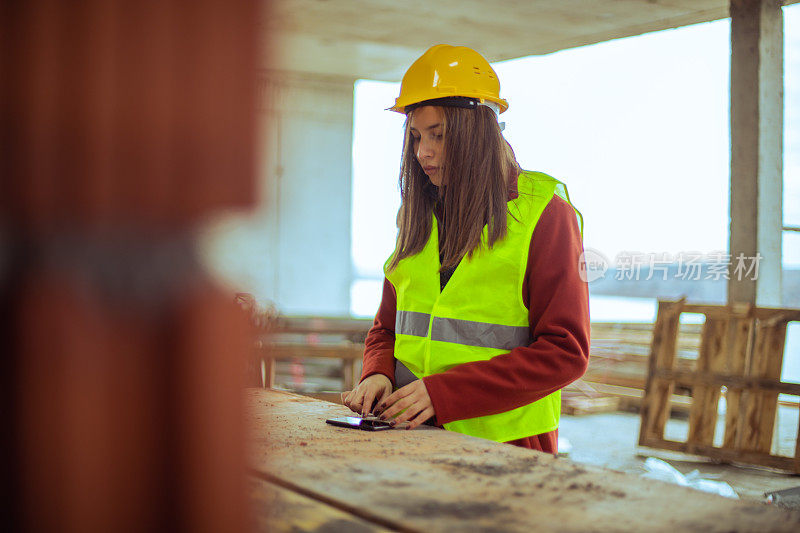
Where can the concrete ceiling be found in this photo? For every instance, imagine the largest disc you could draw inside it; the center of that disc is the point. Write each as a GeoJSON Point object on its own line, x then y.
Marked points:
{"type": "Point", "coordinates": [378, 39]}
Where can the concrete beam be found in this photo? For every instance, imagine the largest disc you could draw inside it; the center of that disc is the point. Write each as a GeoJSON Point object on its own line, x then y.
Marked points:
{"type": "Point", "coordinates": [370, 38]}
{"type": "Point", "coordinates": [756, 148]}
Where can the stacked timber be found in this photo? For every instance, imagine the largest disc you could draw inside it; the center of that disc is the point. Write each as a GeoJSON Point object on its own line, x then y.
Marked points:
{"type": "Point", "coordinates": [618, 365]}
{"type": "Point", "coordinates": [311, 355]}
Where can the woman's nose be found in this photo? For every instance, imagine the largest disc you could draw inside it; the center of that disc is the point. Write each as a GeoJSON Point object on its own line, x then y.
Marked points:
{"type": "Point", "coordinates": [424, 150]}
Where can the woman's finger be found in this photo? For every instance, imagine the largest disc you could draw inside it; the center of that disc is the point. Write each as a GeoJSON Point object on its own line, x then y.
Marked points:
{"type": "Point", "coordinates": [394, 397]}
{"type": "Point", "coordinates": [369, 397]}
{"type": "Point", "coordinates": [385, 393]}
{"type": "Point", "coordinates": [421, 418]}
{"type": "Point", "coordinates": [348, 398]}
{"type": "Point", "coordinates": [394, 410]}
{"type": "Point", "coordinates": [355, 403]}
{"type": "Point", "coordinates": [383, 397]}
{"type": "Point", "coordinates": [411, 411]}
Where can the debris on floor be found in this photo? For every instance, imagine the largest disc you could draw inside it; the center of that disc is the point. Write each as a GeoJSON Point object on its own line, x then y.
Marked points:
{"type": "Point", "coordinates": [661, 470]}
{"type": "Point", "coordinates": [789, 498]}
{"type": "Point", "coordinates": [564, 446]}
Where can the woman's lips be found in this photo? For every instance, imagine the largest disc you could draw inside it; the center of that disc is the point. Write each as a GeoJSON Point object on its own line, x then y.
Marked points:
{"type": "Point", "coordinates": [428, 170]}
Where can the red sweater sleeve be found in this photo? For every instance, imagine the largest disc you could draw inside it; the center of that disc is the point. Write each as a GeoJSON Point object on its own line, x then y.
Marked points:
{"type": "Point", "coordinates": [379, 344]}
{"type": "Point", "coordinates": [558, 304]}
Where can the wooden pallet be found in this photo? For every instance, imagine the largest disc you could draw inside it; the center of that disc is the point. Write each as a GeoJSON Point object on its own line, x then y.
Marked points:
{"type": "Point", "coordinates": [740, 355]}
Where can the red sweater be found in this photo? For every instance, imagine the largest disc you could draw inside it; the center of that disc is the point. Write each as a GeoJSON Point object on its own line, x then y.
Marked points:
{"type": "Point", "coordinates": [558, 311]}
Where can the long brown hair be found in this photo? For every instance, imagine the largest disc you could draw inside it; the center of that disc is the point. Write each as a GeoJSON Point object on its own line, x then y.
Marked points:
{"type": "Point", "coordinates": [476, 167]}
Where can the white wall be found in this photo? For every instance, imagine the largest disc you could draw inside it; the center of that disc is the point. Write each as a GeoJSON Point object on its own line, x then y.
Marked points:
{"type": "Point", "coordinates": [294, 250]}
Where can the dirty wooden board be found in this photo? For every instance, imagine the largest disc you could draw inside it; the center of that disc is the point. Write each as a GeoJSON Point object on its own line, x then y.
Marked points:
{"type": "Point", "coordinates": [435, 480]}
{"type": "Point", "coordinates": [278, 510]}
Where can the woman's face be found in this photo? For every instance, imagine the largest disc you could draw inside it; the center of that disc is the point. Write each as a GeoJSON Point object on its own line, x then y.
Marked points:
{"type": "Point", "coordinates": [427, 132]}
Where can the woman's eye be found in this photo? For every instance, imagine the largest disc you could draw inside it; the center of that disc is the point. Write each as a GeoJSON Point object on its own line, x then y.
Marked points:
{"type": "Point", "coordinates": [439, 136]}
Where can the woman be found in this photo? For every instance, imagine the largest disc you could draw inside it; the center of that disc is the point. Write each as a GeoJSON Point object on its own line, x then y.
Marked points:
{"type": "Point", "coordinates": [484, 316]}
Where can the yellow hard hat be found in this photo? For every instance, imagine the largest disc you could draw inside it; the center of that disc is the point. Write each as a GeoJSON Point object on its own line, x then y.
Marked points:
{"type": "Point", "coordinates": [449, 75]}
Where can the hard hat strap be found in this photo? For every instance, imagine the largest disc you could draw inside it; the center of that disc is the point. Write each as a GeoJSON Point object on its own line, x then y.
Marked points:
{"type": "Point", "coordinates": [447, 101]}
{"type": "Point", "coordinates": [459, 101]}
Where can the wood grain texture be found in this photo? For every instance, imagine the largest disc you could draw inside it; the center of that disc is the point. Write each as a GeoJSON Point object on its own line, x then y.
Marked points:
{"type": "Point", "coordinates": [705, 398]}
{"type": "Point", "coordinates": [757, 406]}
{"type": "Point", "coordinates": [433, 480]}
{"type": "Point", "coordinates": [280, 510]}
{"type": "Point", "coordinates": [658, 391]}
{"type": "Point", "coordinates": [737, 362]}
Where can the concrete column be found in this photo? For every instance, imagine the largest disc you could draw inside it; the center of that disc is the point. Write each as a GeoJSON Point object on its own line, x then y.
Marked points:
{"type": "Point", "coordinates": [306, 198]}
{"type": "Point", "coordinates": [756, 147]}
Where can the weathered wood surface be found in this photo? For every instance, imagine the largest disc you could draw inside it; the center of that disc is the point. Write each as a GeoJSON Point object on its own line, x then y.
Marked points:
{"type": "Point", "coordinates": [280, 510]}
{"type": "Point", "coordinates": [434, 480]}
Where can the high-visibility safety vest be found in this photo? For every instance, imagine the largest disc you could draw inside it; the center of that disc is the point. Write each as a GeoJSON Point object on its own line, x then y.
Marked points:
{"type": "Point", "coordinates": [480, 312]}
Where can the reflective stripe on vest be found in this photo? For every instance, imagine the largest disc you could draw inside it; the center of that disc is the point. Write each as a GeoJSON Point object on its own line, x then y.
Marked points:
{"type": "Point", "coordinates": [467, 332]}
{"type": "Point", "coordinates": [480, 313]}
{"type": "Point", "coordinates": [410, 323]}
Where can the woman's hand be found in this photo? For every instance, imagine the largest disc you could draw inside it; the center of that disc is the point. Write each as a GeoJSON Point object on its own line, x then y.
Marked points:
{"type": "Point", "coordinates": [371, 389]}
{"type": "Point", "coordinates": [414, 399]}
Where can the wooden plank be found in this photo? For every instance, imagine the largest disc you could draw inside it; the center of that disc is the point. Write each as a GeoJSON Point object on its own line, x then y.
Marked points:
{"type": "Point", "coordinates": [655, 409]}
{"type": "Point", "coordinates": [289, 351]}
{"type": "Point", "coordinates": [253, 375]}
{"type": "Point", "coordinates": [777, 313]}
{"type": "Point", "coordinates": [689, 339]}
{"type": "Point", "coordinates": [579, 406]}
{"type": "Point", "coordinates": [354, 329]}
{"type": "Point", "coordinates": [276, 509]}
{"type": "Point", "coordinates": [760, 407]}
{"type": "Point", "coordinates": [349, 375]}
{"type": "Point", "coordinates": [774, 347]}
{"type": "Point", "coordinates": [738, 358]}
{"type": "Point", "coordinates": [434, 480]}
{"type": "Point", "coordinates": [333, 397]}
{"type": "Point", "coordinates": [791, 464]}
{"type": "Point", "coordinates": [705, 397]}
{"type": "Point", "coordinates": [722, 312]}
{"type": "Point", "coordinates": [269, 372]}
{"type": "Point", "coordinates": [750, 402]}
{"type": "Point", "coordinates": [632, 398]}
{"type": "Point", "coordinates": [797, 447]}
{"type": "Point", "coordinates": [768, 384]}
